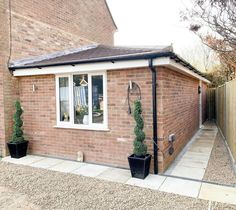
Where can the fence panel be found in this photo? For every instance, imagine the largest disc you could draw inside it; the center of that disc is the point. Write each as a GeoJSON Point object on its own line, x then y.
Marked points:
{"type": "Point", "coordinates": [230, 133]}
{"type": "Point", "coordinates": [220, 108]}
{"type": "Point", "coordinates": [226, 113]}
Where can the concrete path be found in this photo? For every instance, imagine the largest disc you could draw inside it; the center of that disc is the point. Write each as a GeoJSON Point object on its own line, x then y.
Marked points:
{"type": "Point", "coordinates": [192, 161]}
{"type": "Point", "coordinates": [196, 189]}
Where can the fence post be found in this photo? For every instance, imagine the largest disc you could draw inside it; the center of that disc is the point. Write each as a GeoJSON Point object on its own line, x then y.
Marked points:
{"type": "Point", "coordinates": [225, 110]}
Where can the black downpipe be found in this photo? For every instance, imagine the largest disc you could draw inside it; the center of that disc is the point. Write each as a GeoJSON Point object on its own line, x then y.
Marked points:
{"type": "Point", "coordinates": [154, 115]}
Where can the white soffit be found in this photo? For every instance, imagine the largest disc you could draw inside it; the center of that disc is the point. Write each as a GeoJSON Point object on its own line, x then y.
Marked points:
{"type": "Point", "coordinates": [182, 69]}
{"type": "Point", "coordinates": [88, 67]}
{"type": "Point", "coordinates": [117, 65]}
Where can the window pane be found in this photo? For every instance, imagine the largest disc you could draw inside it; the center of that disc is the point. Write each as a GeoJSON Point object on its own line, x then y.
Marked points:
{"type": "Point", "coordinates": [97, 98]}
{"type": "Point", "coordinates": [64, 98]}
{"type": "Point", "coordinates": [80, 89]}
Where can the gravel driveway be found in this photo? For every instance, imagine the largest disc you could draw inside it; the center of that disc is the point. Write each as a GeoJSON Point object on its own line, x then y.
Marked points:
{"type": "Point", "coordinates": [23, 187]}
{"type": "Point", "coordinates": [219, 168]}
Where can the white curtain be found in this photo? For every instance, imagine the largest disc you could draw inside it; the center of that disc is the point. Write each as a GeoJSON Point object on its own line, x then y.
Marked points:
{"type": "Point", "coordinates": [80, 95]}
{"type": "Point", "coordinates": [64, 93]}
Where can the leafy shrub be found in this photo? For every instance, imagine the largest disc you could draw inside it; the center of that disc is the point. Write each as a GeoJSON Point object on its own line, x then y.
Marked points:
{"type": "Point", "coordinates": [17, 130]}
{"type": "Point", "coordinates": [140, 148]}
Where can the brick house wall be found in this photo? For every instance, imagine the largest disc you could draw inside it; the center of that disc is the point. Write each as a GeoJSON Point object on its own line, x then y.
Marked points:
{"type": "Point", "coordinates": [178, 112]}
{"type": "Point", "coordinates": [204, 102]}
{"type": "Point", "coordinates": [178, 103]}
{"type": "Point", "coordinates": [7, 82]}
{"type": "Point", "coordinates": [107, 147]}
{"type": "Point", "coordinates": [40, 27]}
{"type": "Point", "coordinates": [44, 26]}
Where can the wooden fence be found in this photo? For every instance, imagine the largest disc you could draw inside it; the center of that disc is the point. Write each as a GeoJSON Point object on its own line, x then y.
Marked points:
{"type": "Point", "coordinates": [225, 101]}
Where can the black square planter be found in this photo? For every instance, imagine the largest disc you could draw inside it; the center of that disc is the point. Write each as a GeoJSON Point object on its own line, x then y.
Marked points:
{"type": "Point", "coordinates": [139, 166]}
{"type": "Point", "coordinates": [18, 150]}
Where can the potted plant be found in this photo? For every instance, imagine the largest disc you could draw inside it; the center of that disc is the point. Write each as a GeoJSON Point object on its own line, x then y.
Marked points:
{"type": "Point", "coordinates": [17, 146]}
{"type": "Point", "coordinates": [82, 114]}
{"type": "Point", "coordinates": [139, 161]}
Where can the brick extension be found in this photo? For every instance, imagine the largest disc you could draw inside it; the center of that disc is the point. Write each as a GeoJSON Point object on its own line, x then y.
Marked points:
{"type": "Point", "coordinates": [178, 113]}
{"type": "Point", "coordinates": [38, 29]}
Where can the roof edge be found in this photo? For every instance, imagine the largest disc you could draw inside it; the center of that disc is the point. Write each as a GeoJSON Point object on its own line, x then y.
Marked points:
{"type": "Point", "coordinates": [109, 11]}
{"type": "Point", "coordinates": [52, 55]}
{"type": "Point", "coordinates": [150, 55]}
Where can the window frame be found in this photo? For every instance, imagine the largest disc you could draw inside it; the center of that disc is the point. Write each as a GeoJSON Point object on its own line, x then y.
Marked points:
{"type": "Point", "coordinates": [70, 123]}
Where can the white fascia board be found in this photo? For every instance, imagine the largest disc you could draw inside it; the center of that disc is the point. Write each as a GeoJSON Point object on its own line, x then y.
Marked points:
{"type": "Point", "coordinates": [117, 65]}
{"type": "Point", "coordinates": [161, 61]}
{"type": "Point", "coordinates": [178, 67]}
{"type": "Point", "coordinates": [89, 67]}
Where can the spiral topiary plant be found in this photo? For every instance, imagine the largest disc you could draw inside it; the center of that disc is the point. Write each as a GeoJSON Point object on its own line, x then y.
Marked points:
{"type": "Point", "coordinates": [17, 136]}
{"type": "Point", "coordinates": [140, 148]}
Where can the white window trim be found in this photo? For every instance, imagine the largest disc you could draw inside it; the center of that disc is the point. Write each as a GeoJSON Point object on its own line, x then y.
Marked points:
{"type": "Point", "coordinates": [70, 123]}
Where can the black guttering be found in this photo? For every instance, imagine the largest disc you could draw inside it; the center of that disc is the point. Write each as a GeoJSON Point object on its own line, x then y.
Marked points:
{"type": "Point", "coordinates": [154, 115]}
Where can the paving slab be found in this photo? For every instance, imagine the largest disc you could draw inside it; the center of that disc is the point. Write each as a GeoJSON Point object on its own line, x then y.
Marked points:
{"type": "Point", "coordinates": [91, 170]}
{"type": "Point", "coordinates": [181, 187]}
{"type": "Point", "coordinates": [115, 175]}
{"type": "Point", "coordinates": [193, 163]}
{"type": "Point", "coordinates": [67, 166]}
{"type": "Point", "coordinates": [10, 160]}
{"type": "Point", "coordinates": [151, 181]}
{"type": "Point", "coordinates": [46, 163]}
{"type": "Point", "coordinates": [196, 155]}
{"type": "Point", "coordinates": [27, 160]}
{"type": "Point", "coordinates": [203, 144]}
{"type": "Point", "coordinates": [188, 172]}
{"type": "Point", "coordinates": [218, 193]}
{"type": "Point", "coordinates": [200, 149]}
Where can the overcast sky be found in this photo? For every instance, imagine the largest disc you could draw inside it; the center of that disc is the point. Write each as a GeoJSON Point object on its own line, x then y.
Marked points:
{"type": "Point", "coordinates": [151, 22]}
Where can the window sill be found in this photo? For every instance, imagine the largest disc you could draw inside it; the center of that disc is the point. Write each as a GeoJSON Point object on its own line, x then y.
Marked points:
{"type": "Point", "coordinates": [92, 128]}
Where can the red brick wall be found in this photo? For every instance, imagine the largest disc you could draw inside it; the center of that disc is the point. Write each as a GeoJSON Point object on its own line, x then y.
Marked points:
{"type": "Point", "coordinates": [40, 27]}
{"type": "Point", "coordinates": [108, 147]}
{"type": "Point", "coordinates": [3, 59]}
{"type": "Point", "coordinates": [85, 19]}
{"type": "Point", "coordinates": [8, 84]}
{"type": "Point", "coordinates": [178, 113]}
{"type": "Point", "coordinates": [44, 26]}
{"type": "Point", "coordinates": [204, 102]}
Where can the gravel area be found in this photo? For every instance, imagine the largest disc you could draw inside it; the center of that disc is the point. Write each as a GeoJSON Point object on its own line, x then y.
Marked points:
{"type": "Point", "coordinates": [220, 167]}
{"type": "Point", "coordinates": [43, 189]}
{"type": "Point", "coordinates": [10, 199]}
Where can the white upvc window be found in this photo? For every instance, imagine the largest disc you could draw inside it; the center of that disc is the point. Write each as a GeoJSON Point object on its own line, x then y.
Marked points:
{"type": "Point", "coordinates": [81, 101]}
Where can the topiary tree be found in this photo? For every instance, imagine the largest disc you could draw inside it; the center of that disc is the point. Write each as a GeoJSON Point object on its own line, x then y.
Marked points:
{"type": "Point", "coordinates": [17, 130]}
{"type": "Point", "coordinates": [140, 148]}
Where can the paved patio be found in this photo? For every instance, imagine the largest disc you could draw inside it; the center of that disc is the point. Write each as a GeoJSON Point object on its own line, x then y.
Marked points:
{"type": "Point", "coordinates": [184, 177]}
{"type": "Point", "coordinates": [196, 189]}
{"type": "Point", "coordinates": [193, 160]}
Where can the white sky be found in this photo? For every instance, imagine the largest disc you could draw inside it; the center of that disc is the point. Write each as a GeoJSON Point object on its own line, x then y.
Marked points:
{"type": "Point", "coordinates": [151, 22]}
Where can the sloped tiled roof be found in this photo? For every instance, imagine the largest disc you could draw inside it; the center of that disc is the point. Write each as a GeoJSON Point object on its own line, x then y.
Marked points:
{"type": "Point", "coordinates": [100, 53]}
{"type": "Point", "coordinates": [90, 54]}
